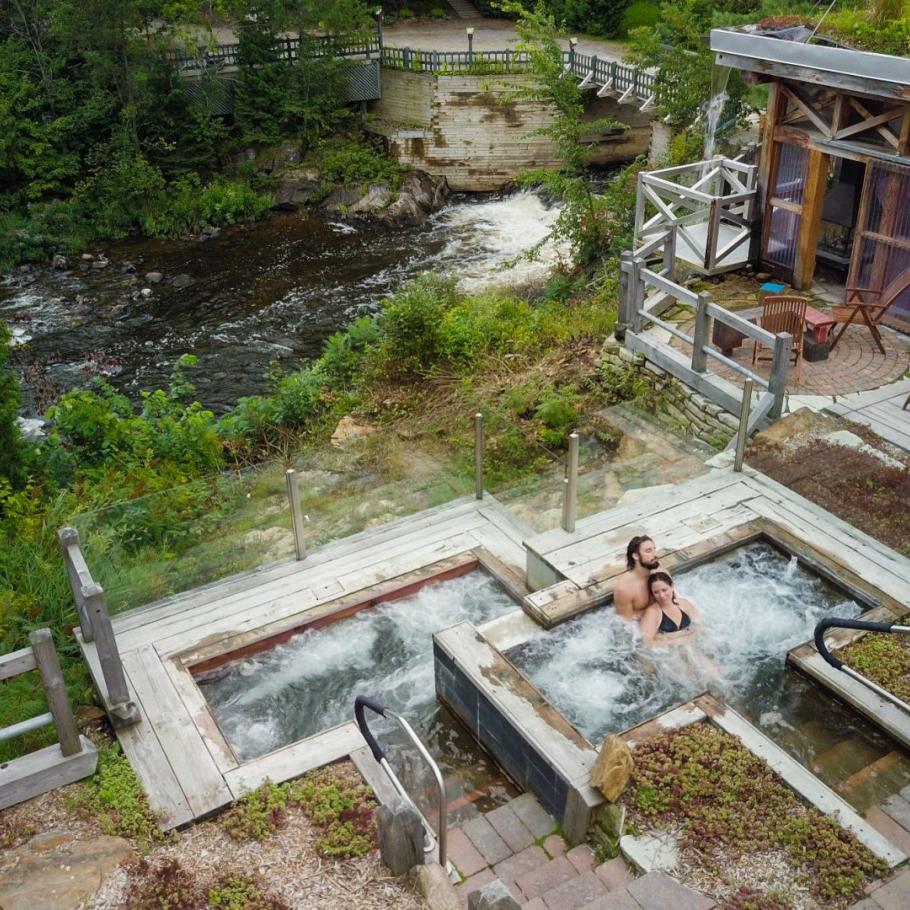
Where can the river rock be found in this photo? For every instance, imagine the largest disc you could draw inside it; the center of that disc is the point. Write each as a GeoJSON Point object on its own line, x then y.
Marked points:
{"type": "Point", "coordinates": [209, 232]}
{"type": "Point", "coordinates": [296, 186]}
{"type": "Point", "coordinates": [128, 268]}
{"type": "Point", "coordinates": [419, 196]}
{"type": "Point", "coordinates": [87, 257]}
{"type": "Point", "coordinates": [348, 431]}
{"type": "Point", "coordinates": [377, 197]}
{"type": "Point", "coordinates": [182, 281]}
{"type": "Point", "coordinates": [282, 156]}
{"type": "Point", "coordinates": [59, 262]}
{"type": "Point", "coordinates": [101, 264]}
{"type": "Point", "coordinates": [145, 292]}
{"type": "Point", "coordinates": [613, 768]}
{"type": "Point", "coordinates": [343, 197]}
{"type": "Point", "coordinates": [153, 277]}
{"type": "Point", "coordinates": [57, 871]}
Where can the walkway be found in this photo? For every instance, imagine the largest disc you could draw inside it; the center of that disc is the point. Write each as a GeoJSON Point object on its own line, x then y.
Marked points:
{"type": "Point", "coordinates": [881, 409]}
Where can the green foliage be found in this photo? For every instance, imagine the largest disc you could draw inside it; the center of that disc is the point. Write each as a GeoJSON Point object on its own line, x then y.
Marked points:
{"type": "Point", "coordinates": [883, 27]}
{"type": "Point", "coordinates": [259, 814]}
{"type": "Point", "coordinates": [594, 17]}
{"type": "Point", "coordinates": [115, 798]}
{"type": "Point", "coordinates": [640, 14]}
{"type": "Point", "coordinates": [558, 411]}
{"type": "Point", "coordinates": [12, 448]}
{"type": "Point", "coordinates": [884, 658]}
{"type": "Point", "coordinates": [239, 892]}
{"type": "Point", "coordinates": [348, 160]}
{"type": "Point", "coordinates": [165, 886]}
{"type": "Point", "coordinates": [719, 796]}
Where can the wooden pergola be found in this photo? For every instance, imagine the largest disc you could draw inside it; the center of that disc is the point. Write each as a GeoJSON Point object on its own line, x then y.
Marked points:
{"type": "Point", "coordinates": [834, 171]}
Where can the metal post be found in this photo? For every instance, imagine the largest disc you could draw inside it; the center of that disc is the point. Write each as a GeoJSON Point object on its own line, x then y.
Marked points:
{"type": "Point", "coordinates": [742, 433]}
{"type": "Point", "coordinates": [478, 456]}
{"type": "Point", "coordinates": [55, 691]}
{"type": "Point", "coordinates": [701, 333]}
{"type": "Point", "coordinates": [570, 485]}
{"type": "Point", "coordinates": [572, 43]}
{"type": "Point", "coordinates": [594, 64]}
{"type": "Point", "coordinates": [470, 32]}
{"type": "Point", "coordinates": [379, 18]}
{"type": "Point", "coordinates": [406, 58]}
{"type": "Point", "coordinates": [296, 513]}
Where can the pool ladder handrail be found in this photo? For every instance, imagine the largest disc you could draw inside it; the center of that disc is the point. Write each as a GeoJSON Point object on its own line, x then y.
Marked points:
{"type": "Point", "coordinates": [864, 626]}
{"type": "Point", "coordinates": [431, 839]}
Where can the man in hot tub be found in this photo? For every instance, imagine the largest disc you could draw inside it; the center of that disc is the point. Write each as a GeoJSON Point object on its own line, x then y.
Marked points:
{"type": "Point", "coordinates": [631, 596]}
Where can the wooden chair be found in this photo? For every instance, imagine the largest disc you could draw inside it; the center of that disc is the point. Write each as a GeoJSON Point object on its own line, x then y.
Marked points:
{"type": "Point", "coordinates": [783, 314]}
{"type": "Point", "coordinates": [862, 307]}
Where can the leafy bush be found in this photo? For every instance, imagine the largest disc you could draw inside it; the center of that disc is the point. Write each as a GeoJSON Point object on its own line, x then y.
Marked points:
{"type": "Point", "coordinates": [353, 160]}
{"type": "Point", "coordinates": [640, 14]}
{"type": "Point", "coordinates": [12, 448]}
{"type": "Point", "coordinates": [558, 411]}
{"type": "Point", "coordinates": [596, 17]}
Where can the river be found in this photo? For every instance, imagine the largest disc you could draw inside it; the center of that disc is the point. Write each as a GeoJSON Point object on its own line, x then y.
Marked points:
{"type": "Point", "coordinates": [261, 292]}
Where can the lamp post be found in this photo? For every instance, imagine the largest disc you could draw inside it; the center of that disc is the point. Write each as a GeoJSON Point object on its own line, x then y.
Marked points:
{"type": "Point", "coordinates": [572, 43]}
{"type": "Point", "coordinates": [378, 13]}
{"type": "Point", "coordinates": [470, 31]}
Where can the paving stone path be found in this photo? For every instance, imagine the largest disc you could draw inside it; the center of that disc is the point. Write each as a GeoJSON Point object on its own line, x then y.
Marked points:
{"type": "Point", "coordinates": [518, 843]}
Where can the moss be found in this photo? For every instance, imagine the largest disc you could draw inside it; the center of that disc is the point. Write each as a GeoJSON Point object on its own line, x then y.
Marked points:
{"type": "Point", "coordinates": [238, 892]}
{"type": "Point", "coordinates": [883, 657]}
{"type": "Point", "coordinates": [705, 784]}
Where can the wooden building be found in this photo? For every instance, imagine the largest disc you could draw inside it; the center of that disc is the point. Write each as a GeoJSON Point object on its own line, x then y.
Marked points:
{"type": "Point", "coordinates": [834, 172]}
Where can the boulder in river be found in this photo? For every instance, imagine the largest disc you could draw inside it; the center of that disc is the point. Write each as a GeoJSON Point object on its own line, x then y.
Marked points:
{"type": "Point", "coordinates": [101, 264]}
{"type": "Point", "coordinates": [296, 187]}
{"type": "Point", "coordinates": [153, 277]}
{"type": "Point", "coordinates": [59, 262]}
{"type": "Point", "coordinates": [182, 281]}
{"type": "Point", "coordinates": [209, 232]}
{"type": "Point", "coordinates": [377, 197]}
{"type": "Point", "coordinates": [419, 195]}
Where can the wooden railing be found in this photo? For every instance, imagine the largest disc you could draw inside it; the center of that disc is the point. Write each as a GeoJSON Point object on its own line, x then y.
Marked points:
{"type": "Point", "coordinates": [646, 294]}
{"type": "Point", "coordinates": [95, 629]}
{"type": "Point", "coordinates": [701, 199]}
{"type": "Point", "coordinates": [72, 758]}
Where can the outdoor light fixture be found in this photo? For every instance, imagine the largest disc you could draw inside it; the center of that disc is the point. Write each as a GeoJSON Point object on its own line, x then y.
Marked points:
{"type": "Point", "coordinates": [470, 31]}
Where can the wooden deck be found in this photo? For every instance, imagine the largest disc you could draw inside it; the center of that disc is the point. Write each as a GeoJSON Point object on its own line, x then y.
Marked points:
{"type": "Point", "coordinates": [188, 768]}
{"type": "Point", "coordinates": [881, 409]}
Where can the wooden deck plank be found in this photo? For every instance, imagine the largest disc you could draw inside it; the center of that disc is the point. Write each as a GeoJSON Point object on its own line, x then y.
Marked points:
{"type": "Point", "coordinates": [551, 542]}
{"type": "Point", "coordinates": [292, 610]}
{"type": "Point", "coordinates": [186, 751]}
{"type": "Point", "coordinates": [293, 594]}
{"type": "Point", "coordinates": [296, 759]}
{"type": "Point", "coordinates": [146, 756]}
{"type": "Point", "coordinates": [219, 590]}
{"type": "Point", "coordinates": [858, 400]}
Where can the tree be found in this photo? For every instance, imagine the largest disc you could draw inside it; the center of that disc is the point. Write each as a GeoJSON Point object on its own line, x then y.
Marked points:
{"type": "Point", "coordinates": [11, 445]}
{"type": "Point", "coordinates": [583, 220]}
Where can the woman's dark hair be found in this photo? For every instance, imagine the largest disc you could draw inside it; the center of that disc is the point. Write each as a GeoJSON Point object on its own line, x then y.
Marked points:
{"type": "Point", "coordinates": [633, 548]}
{"type": "Point", "coordinates": [665, 578]}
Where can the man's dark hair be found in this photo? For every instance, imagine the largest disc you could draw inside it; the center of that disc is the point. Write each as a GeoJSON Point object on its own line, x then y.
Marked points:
{"type": "Point", "coordinates": [633, 548]}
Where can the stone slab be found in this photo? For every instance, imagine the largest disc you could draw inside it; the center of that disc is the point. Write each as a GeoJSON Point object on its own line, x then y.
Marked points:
{"type": "Point", "coordinates": [899, 809]}
{"type": "Point", "coordinates": [515, 866]}
{"type": "Point", "coordinates": [554, 845]}
{"type": "Point", "coordinates": [895, 895]}
{"type": "Point", "coordinates": [889, 828]}
{"type": "Point", "coordinates": [463, 854]}
{"type": "Point", "coordinates": [582, 858]}
{"type": "Point", "coordinates": [614, 873]}
{"type": "Point", "coordinates": [657, 891]}
{"type": "Point", "coordinates": [538, 881]}
{"type": "Point", "coordinates": [474, 883]}
{"type": "Point", "coordinates": [615, 900]}
{"type": "Point", "coordinates": [510, 828]}
{"type": "Point", "coordinates": [575, 893]}
{"type": "Point", "coordinates": [534, 817]}
{"type": "Point", "coordinates": [484, 837]}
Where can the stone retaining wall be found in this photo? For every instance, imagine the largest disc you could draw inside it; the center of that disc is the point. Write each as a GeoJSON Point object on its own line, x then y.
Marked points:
{"type": "Point", "coordinates": [704, 419]}
{"type": "Point", "coordinates": [467, 129]}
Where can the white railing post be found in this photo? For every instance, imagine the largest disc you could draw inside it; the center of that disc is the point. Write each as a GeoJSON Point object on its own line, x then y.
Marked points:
{"type": "Point", "coordinates": [636, 295]}
{"type": "Point", "coordinates": [625, 297]}
{"type": "Point", "coordinates": [742, 432]}
{"type": "Point", "coordinates": [570, 485]}
{"type": "Point", "coordinates": [296, 513]}
{"type": "Point", "coordinates": [701, 333]}
{"type": "Point", "coordinates": [780, 367]}
{"type": "Point", "coordinates": [478, 456]}
{"type": "Point", "coordinates": [669, 263]}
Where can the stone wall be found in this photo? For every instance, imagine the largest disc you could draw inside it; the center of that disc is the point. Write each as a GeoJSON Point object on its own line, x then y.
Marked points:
{"type": "Point", "coordinates": [694, 413]}
{"type": "Point", "coordinates": [467, 129]}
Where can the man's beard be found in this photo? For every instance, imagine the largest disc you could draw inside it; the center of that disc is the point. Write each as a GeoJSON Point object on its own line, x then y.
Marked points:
{"type": "Point", "coordinates": [651, 566]}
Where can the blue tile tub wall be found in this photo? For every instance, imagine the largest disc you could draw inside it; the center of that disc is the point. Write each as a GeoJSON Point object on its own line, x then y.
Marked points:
{"type": "Point", "coordinates": [523, 763]}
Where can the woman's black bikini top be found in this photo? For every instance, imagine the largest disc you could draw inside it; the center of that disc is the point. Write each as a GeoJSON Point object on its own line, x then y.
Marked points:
{"type": "Point", "coordinates": [667, 624]}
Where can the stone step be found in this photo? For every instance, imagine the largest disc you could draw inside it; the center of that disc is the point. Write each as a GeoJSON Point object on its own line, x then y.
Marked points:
{"type": "Point", "coordinates": [843, 759]}
{"type": "Point", "coordinates": [874, 783]}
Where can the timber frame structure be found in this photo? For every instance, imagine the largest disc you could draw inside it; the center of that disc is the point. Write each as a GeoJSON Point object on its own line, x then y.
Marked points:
{"type": "Point", "coordinates": [834, 171]}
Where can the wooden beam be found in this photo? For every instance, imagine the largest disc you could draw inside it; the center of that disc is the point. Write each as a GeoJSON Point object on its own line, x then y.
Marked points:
{"type": "Point", "coordinates": [810, 224]}
{"type": "Point", "coordinates": [806, 108]}
{"type": "Point", "coordinates": [17, 662]}
{"type": "Point", "coordinates": [903, 142]}
{"type": "Point", "coordinates": [889, 137]}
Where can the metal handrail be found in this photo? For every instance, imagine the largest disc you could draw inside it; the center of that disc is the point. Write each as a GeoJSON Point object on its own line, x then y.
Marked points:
{"type": "Point", "coordinates": [364, 701]}
{"type": "Point", "coordinates": [864, 626]}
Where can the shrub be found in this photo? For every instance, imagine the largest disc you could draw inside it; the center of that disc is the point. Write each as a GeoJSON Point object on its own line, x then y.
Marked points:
{"type": "Point", "coordinates": [167, 886]}
{"type": "Point", "coordinates": [558, 411]}
{"type": "Point", "coordinates": [640, 14]}
{"type": "Point", "coordinates": [355, 160]}
{"type": "Point", "coordinates": [237, 892]}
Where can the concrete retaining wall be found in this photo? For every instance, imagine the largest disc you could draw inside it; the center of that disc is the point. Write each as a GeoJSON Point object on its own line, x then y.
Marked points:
{"type": "Point", "coordinates": [467, 129]}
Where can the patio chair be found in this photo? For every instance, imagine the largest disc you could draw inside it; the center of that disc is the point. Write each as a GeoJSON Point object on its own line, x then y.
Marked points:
{"type": "Point", "coordinates": [861, 307]}
{"type": "Point", "coordinates": [783, 314]}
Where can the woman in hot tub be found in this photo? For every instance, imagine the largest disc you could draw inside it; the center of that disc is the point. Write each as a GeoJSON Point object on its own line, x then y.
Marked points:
{"type": "Point", "coordinates": [668, 620]}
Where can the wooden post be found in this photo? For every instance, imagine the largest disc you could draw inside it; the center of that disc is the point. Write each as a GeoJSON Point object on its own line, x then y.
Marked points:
{"type": "Point", "coordinates": [69, 537]}
{"type": "Point", "coordinates": [701, 333]}
{"type": "Point", "coordinates": [478, 456]}
{"type": "Point", "coordinates": [122, 710]}
{"type": "Point", "coordinates": [712, 236]}
{"type": "Point", "coordinates": [570, 485]}
{"type": "Point", "coordinates": [55, 691]}
{"type": "Point", "coordinates": [669, 268]}
{"type": "Point", "coordinates": [639, 208]}
{"type": "Point", "coordinates": [636, 295]}
{"type": "Point", "coordinates": [742, 432]}
{"type": "Point", "coordinates": [811, 219]}
{"type": "Point", "coordinates": [296, 513]}
{"type": "Point", "coordinates": [765, 162]}
{"type": "Point", "coordinates": [777, 382]}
